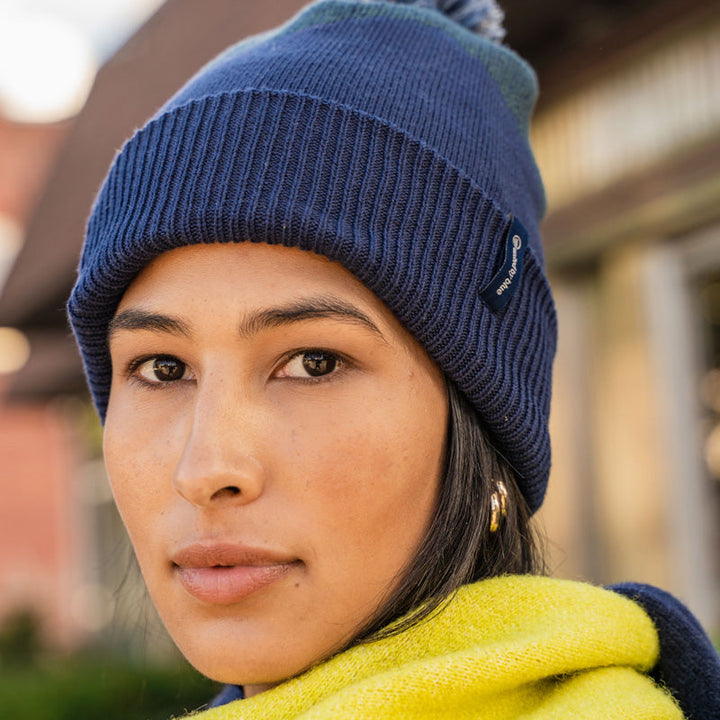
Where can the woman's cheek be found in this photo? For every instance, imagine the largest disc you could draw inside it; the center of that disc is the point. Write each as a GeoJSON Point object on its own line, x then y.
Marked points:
{"type": "Point", "coordinates": [138, 460]}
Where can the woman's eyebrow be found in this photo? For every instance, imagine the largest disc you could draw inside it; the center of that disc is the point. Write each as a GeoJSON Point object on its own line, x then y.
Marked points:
{"type": "Point", "coordinates": [306, 309]}
{"type": "Point", "coordinates": [144, 320]}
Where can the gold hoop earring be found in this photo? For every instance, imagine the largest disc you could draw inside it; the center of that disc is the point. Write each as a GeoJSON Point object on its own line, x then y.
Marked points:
{"type": "Point", "coordinates": [498, 505]}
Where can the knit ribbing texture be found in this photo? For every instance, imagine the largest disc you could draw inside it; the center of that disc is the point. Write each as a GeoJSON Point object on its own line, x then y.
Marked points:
{"type": "Point", "coordinates": [385, 137]}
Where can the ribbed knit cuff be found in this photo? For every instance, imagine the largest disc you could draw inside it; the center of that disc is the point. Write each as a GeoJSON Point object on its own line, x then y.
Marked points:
{"type": "Point", "coordinates": [359, 191]}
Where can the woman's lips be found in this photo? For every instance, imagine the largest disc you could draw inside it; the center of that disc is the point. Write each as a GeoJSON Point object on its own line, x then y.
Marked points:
{"type": "Point", "coordinates": [228, 585]}
{"type": "Point", "coordinates": [223, 574]}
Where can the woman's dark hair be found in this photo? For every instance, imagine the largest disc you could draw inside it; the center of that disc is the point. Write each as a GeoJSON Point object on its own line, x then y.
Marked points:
{"type": "Point", "coordinates": [459, 547]}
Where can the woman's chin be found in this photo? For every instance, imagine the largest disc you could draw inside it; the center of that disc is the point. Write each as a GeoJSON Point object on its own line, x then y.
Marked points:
{"type": "Point", "coordinates": [252, 660]}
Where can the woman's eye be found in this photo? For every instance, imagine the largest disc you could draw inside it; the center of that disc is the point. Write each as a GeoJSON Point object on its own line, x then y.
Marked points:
{"type": "Point", "coordinates": [162, 369]}
{"type": "Point", "coordinates": [311, 364]}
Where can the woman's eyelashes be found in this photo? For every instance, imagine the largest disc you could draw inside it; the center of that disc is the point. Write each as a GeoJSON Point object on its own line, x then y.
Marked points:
{"type": "Point", "coordinates": [159, 369]}
{"type": "Point", "coordinates": [311, 365]}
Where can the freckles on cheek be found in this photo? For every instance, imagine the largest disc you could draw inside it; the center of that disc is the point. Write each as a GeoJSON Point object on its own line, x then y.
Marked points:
{"type": "Point", "coordinates": [135, 471]}
{"type": "Point", "coordinates": [367, 474]}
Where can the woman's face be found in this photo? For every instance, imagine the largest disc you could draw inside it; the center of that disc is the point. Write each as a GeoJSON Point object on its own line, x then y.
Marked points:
{"type": "Point", "coordinates": [274, 441]}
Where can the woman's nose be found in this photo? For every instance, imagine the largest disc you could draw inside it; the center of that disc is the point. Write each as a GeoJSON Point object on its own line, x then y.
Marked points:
{"type": "Point", "coordinates": [218, 463]}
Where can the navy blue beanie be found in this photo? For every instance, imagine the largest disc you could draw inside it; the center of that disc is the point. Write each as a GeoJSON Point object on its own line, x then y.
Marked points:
{"type": "Point", "coordinates": [388, 137]}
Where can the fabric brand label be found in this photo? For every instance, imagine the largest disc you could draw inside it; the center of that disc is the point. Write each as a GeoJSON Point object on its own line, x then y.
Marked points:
{"type": "Point", "coordinates": [499, 291]}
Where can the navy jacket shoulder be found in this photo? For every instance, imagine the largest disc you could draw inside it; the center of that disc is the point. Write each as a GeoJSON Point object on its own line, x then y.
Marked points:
{"type": "Point", "coordinates": [689, 665]}
{"type": "Point", "coordinates": [227, 695]}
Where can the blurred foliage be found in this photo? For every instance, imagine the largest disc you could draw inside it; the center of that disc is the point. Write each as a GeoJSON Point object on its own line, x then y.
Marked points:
{"type": "Point", "coordinates": [91, 686]}
{"type": "Point", "coordinates": [20, 639]}
{"type": "Point", "coordinates": [40, 685]}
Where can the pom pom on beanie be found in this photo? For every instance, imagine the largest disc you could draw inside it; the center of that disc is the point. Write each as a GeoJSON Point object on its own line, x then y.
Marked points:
{"type": "Point", "coordinates": [484, 17]}
{"type": "Point", "coordinates": [387, 137]}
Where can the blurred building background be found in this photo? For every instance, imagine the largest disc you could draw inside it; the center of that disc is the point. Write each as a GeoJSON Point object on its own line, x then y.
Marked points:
{"type": "Point", "coordinates": [627, 134]}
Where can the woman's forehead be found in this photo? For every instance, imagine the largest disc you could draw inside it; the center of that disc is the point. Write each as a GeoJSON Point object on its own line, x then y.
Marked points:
{"type": "Point", "coordinates": [243, 267]}
{"type": "Point", "coordinates": [252, 287]}
{"type": "Point", "coordinates": [252, 277]}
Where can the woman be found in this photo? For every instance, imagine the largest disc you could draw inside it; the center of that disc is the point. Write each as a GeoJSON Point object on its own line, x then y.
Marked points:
{"type": "Point", "coordinates": [314, 319]}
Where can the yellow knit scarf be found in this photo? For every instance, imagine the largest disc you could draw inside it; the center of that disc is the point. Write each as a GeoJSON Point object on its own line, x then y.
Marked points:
{"type": "Point", "coordinates": [510, 647]}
